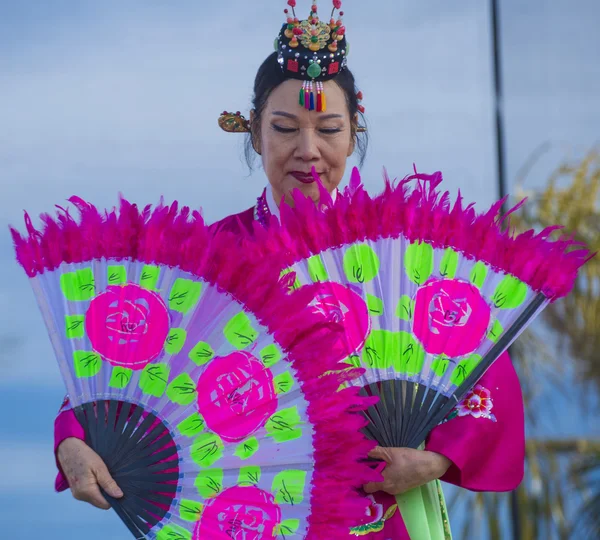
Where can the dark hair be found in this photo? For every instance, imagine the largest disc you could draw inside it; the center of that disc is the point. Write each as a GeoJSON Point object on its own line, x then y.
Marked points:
{"type": "Point", "coordinates": [270, 76]}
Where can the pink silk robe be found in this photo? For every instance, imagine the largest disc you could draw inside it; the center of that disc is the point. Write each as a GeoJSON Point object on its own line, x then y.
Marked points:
{"type": "Point", "coordinates": [484, 437]}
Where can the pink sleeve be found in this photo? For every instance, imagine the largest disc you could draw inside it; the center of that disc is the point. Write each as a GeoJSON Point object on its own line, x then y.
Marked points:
{"type": "Point", "coordinates": [484, 436]}
{"type": "Point", "coordinates": [65, 426]}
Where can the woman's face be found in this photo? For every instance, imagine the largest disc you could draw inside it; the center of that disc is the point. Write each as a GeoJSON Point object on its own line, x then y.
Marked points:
{"type": "Point", "coordinates": [293, 140]}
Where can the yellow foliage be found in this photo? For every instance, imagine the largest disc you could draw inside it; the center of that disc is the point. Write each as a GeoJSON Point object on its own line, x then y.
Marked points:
{"type": "Point", "coordinates": [572, 199]}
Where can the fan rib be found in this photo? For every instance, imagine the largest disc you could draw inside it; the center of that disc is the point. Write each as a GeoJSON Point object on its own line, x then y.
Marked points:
{"type": "Point", "coordinates": [503, 343]}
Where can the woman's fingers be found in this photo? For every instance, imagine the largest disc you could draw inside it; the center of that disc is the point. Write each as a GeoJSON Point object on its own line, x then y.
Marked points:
{"type": "Point", "coordinates": [87, 473]}
{"type": "Point", "coordinates": [97, 477]}
{"type": "Point", "coordinates": [92, 495]}
{"type": "Point", "coordinates": [380, 453]}
{"type": "Point", "coordinates": [373, 487]}
{"type": "Point", "coordinates": [107, 483]}
{"type": "Point", "coordinates": [406, 469]}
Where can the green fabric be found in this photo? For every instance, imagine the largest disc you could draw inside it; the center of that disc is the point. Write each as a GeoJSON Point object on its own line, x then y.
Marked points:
{"type": "Point", "coordinates": [424, 511]}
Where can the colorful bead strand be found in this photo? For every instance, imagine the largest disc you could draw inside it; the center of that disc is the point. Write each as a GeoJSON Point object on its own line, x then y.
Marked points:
{"type": "Point", "coordinates": [321, 101]}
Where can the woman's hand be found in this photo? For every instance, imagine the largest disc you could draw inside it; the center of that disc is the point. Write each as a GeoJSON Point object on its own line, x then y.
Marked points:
{"type": "Point", "coordinates": [407, 469]}
{"type": "Point", "coordinates": [86, 473]}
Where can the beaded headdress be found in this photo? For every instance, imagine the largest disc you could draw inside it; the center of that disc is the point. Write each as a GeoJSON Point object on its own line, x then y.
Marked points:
{"type": "Point", "coordinates": [313, 51]}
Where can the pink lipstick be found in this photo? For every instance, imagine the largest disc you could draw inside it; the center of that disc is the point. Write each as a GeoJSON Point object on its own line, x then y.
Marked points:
{"type": "Point", "coordinates": [305, 178]}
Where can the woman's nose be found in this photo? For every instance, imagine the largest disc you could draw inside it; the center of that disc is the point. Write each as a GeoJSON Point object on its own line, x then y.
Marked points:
{"type": "Point", "coordinates": [307, 148]}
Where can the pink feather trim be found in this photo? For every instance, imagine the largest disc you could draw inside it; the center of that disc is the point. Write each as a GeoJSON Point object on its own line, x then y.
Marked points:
{"type": "Point", "coordinates": [425, 214]}
{"type": "Point", "coordinates": [168, 235]}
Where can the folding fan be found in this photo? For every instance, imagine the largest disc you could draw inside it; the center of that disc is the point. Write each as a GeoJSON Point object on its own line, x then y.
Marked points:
{"type": "Point", "coordinates": [430, 293]}
{"type": "Point", "coordinates": [194, 378]}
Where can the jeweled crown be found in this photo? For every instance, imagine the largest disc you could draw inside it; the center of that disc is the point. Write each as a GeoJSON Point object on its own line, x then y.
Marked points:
{"type": "Point", "coordinates": [312, 50]}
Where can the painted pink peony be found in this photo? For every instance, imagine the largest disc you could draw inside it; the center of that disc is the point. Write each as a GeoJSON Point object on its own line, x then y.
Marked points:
{"type": "Point", "coordinates": [451, 317]}
{"type": "Point", "coordinates": [238, 395]}
{"type": "Point", "coordinates": [244, 513]}
{"type": "Point", "coordinates": [127, 325]}
{"type": "Point", "coordinates": [337, 303]}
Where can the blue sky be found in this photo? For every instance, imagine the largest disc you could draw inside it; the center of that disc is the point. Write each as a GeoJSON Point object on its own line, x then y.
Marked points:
{"type": "Point", "coordinates": [102, 97]}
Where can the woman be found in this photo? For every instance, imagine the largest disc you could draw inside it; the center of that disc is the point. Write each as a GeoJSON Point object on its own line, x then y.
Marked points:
{"type": "Point", "coordinates": [306, 116]}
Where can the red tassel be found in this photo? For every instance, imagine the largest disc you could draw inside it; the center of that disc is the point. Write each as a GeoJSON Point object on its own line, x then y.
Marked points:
{"type": "Point", "coordinates": [319, 102]}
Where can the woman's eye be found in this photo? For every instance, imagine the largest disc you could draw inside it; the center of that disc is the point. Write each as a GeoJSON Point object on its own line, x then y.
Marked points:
{"type": "Point", "coordinates": [330, 131]}
{"type": "Point", "coordinates": [282, 129]}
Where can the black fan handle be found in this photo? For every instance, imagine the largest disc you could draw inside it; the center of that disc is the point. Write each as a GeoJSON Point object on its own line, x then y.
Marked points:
{"type": "Point", "coordinates": [91, 421]}
{"type": "Point", "coordinates": [503, 343]}
{"type": "Point", "coordinates": [125, 518]}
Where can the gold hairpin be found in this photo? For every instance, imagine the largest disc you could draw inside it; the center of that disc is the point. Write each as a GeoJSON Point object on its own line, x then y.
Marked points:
{"type": "Point", "coordinates": [234, 122]}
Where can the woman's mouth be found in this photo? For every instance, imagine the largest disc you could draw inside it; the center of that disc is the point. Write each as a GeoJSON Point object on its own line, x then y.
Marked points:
{"type": "Point", "coordinates": [305, 178]}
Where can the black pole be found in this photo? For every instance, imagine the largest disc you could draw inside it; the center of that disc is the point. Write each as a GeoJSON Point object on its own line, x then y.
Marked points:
{"type": "Point", "coordinates": [498, 100]}
{"type": "Point", "coordinates": [502, 187]}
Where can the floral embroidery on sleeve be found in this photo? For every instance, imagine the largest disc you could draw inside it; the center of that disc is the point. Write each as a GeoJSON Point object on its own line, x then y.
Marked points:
{"type": "Point", "coordinates": [478, 403]}
{"type": "Point", "coordinates": [375, 518]}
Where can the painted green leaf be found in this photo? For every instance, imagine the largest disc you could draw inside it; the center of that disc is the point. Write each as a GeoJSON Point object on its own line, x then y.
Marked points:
{"type": "Point", "coordinates": [406, 308]}
{"type": "Point", "coordinates": [380, 349]}
{"type": "Point", "coordinates": [361, 263]}
{"type": "Point", "coordinates": [247, 449]}
{"type": "Point", "coordinates": [375, 305]}
{"type": "Point", "coordinates": [184, 295]}
{"type": "Point", "coordinates": [78, 286]}
{"type": "Point", "coordinates": [449, 264]}
{"type": "Point", "coordinates": [287, 528]}
{"type": "Point", "coordinates": [207, 449]}
{"type": "Point", "coordinates": [288, 487]}
{"type": "Point", "coordinates": [384, 349]}
{"type": "Point", "coordinates": [120, 377]}
{"type": "Point", "coordinates": [182, 390]}
{"type": "Point", "coordinates": [87, 364]}
{"type": "Point", "coordinates": [411, 355]}
{"type": "Point", "coordinates": [496, 331]}
{"type": "Point", "coordinates": [283, 382]}
{"type": "Point", "coordinates": [75, 326]}
{"type": "Point", "coordinates": [191, 426]}
{"type": "Point", "coordinates": [316, 269]}
{"type": "Point", "coordinates": [116, 275]}
{"type": "Point", "coordinates": [209, 482]}
{"type": "Point", "coordinates": [239, 331]}
{"type": "Point", "coordinates": [249, 476]}
{"type": "Point", "coordinates": [149, 277]}
{"type": "Point", "coordinates": [291, 286]}
{"type": "Point", "coordinates": [270, 355]}
{"type": "Point", "coordinates": [201, 354]}
{"type": "Point", "coordinates": [418, 262]}
{"type": "Point", "coordinates": [175, 341]}
{"type": "Point", "coordinates": [352, 360]}
{"type": "Point", "coordinates": [440, 365]}
{"type": "Point", "coordinates": [154, 379]}
{"type": "Point", "coordinates": [510, 293]}
{"type": "Point", "coordinates": [173, 532]}
{"type": "Point", "coordinates": [190, 510]}
{"type": "Point", "coordinates": [464, 369]}
{"type": "Point", "coordinates": [284, 425]}
{"type": "Point", "coordinates": [479, 274]}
